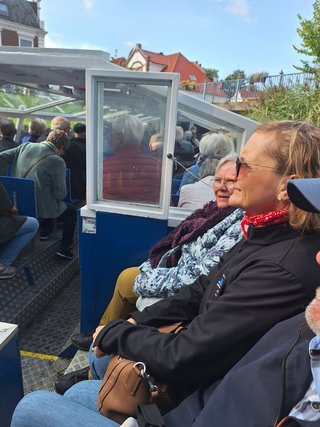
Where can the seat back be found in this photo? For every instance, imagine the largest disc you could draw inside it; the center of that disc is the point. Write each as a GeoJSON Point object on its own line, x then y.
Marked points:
{"type": "Point", "coordinates": [22, 194]}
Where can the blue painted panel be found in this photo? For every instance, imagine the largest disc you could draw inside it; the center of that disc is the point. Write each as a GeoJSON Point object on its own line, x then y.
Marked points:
{"type": "Point", "coordinates": [87, 260]}
{"type": "Point", "coordinates": [11, 389]}
{"type": "Point", "coordinates": [22, 194]}
{"type": "Point", "coordinates": [121, 241]}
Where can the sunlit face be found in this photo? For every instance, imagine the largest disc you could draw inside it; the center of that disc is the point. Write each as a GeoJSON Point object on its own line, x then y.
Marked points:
{"type": "Point", "coordinates": [224, 180]}
{"type": "Point", "coordinates": [258, 183]}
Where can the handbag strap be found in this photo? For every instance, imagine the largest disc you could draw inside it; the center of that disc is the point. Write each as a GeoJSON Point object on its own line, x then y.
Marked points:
{"type": "Point", "coordinates": [149, 416]}
{"type": "Point", "coordinates": [34, 164]}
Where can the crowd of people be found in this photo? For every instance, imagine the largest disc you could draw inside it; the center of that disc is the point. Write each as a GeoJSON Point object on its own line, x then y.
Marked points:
{"type": "Point", "coordinates": [242, 301]}
{"type": "Point", "coordinates": [239, 273]}
{"type": "Point", "coordinates": [42, 155]}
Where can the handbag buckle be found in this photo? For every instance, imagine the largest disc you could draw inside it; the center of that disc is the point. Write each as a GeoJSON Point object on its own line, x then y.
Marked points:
{"type": "Point", "coordinates": [143, 374]}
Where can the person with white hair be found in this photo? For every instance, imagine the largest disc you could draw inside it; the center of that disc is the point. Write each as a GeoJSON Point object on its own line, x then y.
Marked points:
{"type": "Point", "coordinates": [130, 175]}
{"type": "Point", "coordinates": [212, 146]}
{"type": "Point", "coordinates": [194, 196]}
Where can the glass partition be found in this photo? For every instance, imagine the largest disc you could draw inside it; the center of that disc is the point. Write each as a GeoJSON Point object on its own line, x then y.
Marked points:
{"type": "Point", "coordinates": [133, 126]}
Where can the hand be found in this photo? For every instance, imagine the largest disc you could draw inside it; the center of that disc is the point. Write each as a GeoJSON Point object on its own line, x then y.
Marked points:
{"type": "Point", "coordinates": [97, 352]}
{"type": "Point", "coordinates": [14, 210]}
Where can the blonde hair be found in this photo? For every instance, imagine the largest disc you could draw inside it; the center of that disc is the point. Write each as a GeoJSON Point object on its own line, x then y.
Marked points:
{"type": "Point", "coordinates": [37, 127]}
{"type": "Point", "coordinates": [295, 146]}
{"type": "Point", "coordinates": [59, 139]}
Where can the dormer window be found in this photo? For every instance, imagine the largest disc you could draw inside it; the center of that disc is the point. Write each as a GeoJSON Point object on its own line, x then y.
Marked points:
{"type": "Point", "coordinates": [3, 9]}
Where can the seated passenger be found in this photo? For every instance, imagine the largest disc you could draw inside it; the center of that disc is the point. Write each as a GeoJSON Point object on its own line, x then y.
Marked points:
{"type": "Point", "coordinates": [130, 175]}
{"type": "Point", "coordinates": [37, 129]}
{"type": "Point", "coordinates": [7, 133]}
{"type": "Point", "coordinates": [192, 249]}
{"type": "Point", "coordinates": [264, 279]}
{"type": "Point", "coordinates": [194, 196]}
{"type": "Point", "coordinates": [43, 163]}
{"type": "Point", "coordinates": [16, 232]}
{"type": "Point", "coordinates": [212, 146]}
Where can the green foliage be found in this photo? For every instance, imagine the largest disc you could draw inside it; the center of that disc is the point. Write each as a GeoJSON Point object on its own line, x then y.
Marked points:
{"type": "Point", "coordinates": [236, 74]}
{"type": "Point", "coordinates": [259, 76]}
{"type": "Point", "coordinates": [23, 102]}
{"type": "Point", "coordinates": [309, 32]}
{"type": "Point", "coordinates": [301, 103]}
{"type": "Point", "coordinates": [211, 73]}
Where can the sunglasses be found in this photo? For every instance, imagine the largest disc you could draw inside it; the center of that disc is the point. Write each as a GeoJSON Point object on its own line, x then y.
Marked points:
{"type": "Point", "coordinates": [240, 163]}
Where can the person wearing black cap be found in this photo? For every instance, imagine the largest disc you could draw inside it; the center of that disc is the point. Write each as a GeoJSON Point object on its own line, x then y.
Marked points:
{"type": "Point", "coordinates": [75, 159]}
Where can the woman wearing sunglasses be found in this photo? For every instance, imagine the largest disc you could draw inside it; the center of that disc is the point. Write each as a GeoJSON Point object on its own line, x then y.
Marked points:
{"type": "Point", "coordinates": [264, 279]}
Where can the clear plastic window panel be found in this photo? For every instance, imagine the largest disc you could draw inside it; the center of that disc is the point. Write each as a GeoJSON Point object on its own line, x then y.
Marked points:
{"type": "Point", "coordinates": [131, 135]}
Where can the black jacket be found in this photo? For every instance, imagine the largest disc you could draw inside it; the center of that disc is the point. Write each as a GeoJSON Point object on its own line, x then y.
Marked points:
{"type": "Point", "coordinates": [268, 278]}
{"type": "Point", "coordinates": [7, 144]}
{"type": "Point", "coordinates": [75, 159]}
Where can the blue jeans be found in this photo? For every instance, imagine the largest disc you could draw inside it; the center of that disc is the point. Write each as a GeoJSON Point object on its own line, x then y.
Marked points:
{"type": "Point", "coordinates": [77, 408]}
{"type": "Point", "coordinates": [98, 365]}
{"type": "Point", "coordinates": [22, 237]}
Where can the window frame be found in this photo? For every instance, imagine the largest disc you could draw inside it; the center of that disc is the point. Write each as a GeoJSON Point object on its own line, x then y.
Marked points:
{"type": "Point", "coordinates": [94, 77]}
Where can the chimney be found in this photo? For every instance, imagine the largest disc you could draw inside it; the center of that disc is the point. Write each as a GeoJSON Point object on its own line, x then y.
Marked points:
{"type": "Point", "coordinates": [138, 45]}
{"type": "Point", "coordinates": [36, 7]}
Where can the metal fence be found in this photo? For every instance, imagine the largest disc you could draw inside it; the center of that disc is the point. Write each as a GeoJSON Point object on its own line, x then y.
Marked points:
{"type": "Point", "coordinates": [245, 90]}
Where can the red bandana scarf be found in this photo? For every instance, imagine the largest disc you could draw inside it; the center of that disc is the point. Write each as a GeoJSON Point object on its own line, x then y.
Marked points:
{"type": "Point", "coordinates": [262, 220]}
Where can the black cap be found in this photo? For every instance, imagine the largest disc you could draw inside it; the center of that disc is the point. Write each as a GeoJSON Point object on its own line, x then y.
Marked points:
{"type": "Point", "coordinates": [305, 193]}
{"type": "Point", "coordinates": [79, 128]}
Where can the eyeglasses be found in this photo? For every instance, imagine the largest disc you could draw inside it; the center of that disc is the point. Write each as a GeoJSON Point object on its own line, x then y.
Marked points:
{"type": "Point", "coordinates": [219, 182]}
{"type": "Point", "coordinates": [240, 163]}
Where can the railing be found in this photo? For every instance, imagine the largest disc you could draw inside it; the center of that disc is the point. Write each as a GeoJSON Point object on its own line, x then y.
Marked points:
{"type": "Point", "coordinates": [244, 90]}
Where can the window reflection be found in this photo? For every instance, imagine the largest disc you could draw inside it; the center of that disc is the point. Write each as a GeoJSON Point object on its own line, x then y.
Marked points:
{"type": "Point", "coordinates": [129, 174]}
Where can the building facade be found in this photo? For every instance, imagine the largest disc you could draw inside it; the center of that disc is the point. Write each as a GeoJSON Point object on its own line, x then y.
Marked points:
{"type": "Point", "coordinates": [20, 23]}
{"type": "Point", "coordinates": [143, 60]}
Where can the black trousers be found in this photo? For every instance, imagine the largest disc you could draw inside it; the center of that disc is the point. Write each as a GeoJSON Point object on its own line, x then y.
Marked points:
{"type": "Point", "coordinates": [68, 218]}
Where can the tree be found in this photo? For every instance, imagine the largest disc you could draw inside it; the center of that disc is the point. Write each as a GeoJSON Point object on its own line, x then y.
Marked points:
{"type": "Point", "coordinates": [258, 77]}
{"type": "Point", "coordinates": [237, 74]}
{"type": "Point", "coordinates": [211, 73]}
{"type": "Point", "coordinates": [309, 32]}
{"type": "Point", "coordinates": [237, 82]}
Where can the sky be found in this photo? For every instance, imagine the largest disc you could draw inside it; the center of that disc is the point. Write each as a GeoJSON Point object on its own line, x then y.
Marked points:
{"type": "Point", "coordinates": [251, 35]}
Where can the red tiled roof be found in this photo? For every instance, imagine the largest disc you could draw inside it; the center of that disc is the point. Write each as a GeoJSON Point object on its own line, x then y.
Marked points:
{"type": "Point", "coordinates": [177, 63]}
{"type": "Point", "coordinates": [156, 58]}
{"type": "Point", "coordinates": [119, 61]}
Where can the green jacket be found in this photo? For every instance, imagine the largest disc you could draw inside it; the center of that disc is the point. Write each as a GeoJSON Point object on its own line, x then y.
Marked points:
{"type": "Point", "coordinates": [49, 174]}
{"type": "Point", "coordinates": [9, 223]}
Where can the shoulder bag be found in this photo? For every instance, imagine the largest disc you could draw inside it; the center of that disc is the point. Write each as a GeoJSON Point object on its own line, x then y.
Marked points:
{"type": "Point", "coordinates": [127, 384]}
